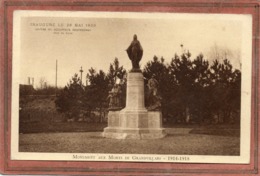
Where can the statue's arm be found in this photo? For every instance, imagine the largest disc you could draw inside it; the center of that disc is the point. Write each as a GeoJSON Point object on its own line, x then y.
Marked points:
{"type": "Point", "coordinates": [128, 50]}
{"type": "Point", "coordinates": [130, 46]}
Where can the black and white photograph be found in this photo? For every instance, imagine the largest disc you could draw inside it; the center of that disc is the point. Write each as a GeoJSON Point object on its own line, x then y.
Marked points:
{"type": "Point", "coordinates": [137, 87]}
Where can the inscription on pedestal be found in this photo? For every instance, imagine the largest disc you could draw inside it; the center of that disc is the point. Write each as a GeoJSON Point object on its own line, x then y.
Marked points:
{"type": "Point", "coordinates": [135, 91]}
{"type": "Point", "coordinates": [154, 119]}
{"type": "Point", "coordinates": [143, 121]}
{"type": "Point", "coordinates": [113, 119]}
{"type": "Point", "coordinates": [131, 121]}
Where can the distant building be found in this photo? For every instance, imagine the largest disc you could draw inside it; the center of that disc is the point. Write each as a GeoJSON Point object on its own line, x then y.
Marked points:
{"type": "Point", "coordinates": [26, 89]}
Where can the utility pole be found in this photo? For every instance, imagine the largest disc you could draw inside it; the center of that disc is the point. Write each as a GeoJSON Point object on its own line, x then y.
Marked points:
{"type": "Point", "coordinates": [56, 78]}
{"type": "Point", "coordinates": [81, 75]}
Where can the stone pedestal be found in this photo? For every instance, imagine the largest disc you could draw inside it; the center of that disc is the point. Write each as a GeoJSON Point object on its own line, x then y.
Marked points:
{"type": "Point", "coordinates": [134, 122]}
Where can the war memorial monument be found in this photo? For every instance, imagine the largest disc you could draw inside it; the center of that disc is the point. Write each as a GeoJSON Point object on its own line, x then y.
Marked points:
{"type": "Point", "coordinates": [134, 121]}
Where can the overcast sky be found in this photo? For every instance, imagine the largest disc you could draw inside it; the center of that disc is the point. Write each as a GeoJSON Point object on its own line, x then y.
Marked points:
{"type": "Point", "coordinates": [109, 37]}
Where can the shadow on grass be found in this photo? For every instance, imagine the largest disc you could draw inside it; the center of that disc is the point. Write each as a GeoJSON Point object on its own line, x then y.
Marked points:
{"type": "Point", "coordinates": [96, 137]}
{"type": "Point", "coordinates": [175, 135]}
{"type": "Point", "coordinates": [179, 130]}
{"type": "Point", "coordinates": [55, 127]}
{"type": "Point", "coordinates": [217, 132]}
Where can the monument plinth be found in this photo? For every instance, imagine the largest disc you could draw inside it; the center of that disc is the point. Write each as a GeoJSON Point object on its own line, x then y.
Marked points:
{"type": "Point", "coordinates": [134, 121]}
{"type": "Point", "coordinates": [135, 92]}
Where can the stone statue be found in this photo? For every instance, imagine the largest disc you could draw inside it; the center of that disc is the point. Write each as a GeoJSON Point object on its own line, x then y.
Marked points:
{"type": "Point", "coordinates": [154, 100]}
{"type": "Point", "coordinates": [153, 86]}
{"type": "Point", "coordinates": [110, 98]}
{"type": "Point", "coordinates": [135, 54]}
{"type": "Point", "coordinates": [115, 98]}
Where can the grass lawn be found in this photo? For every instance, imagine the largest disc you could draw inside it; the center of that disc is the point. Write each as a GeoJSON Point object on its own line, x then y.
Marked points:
{"type": "Point", "coordinates": [178, 141]}
{"type": "Point", "coordinates": [50, 127]}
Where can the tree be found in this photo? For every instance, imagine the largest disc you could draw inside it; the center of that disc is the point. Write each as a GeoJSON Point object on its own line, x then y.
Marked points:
{"type": "Point", "coordinates": [115, 72]}
{"type": "Point", "coordinates": [226, 90]}
{"type": "Point", "coordinates": [221, 53]}
{"type": "Point", "coordinates": [95, 97]}
{"type": "Point", "coordinates": [70, 100]}
{"type": "Point", "coordinates": [160, 71]}
{"type": "Point", "coordinates": [182, 73]}
{"type": "Point", "coordinates": [96, 93]}
{"type": "Point", "coordinates": [45, 88]}
{"type": "Point", "coordinates": [43, 83]}
{"type": "Point", "coordinates": [200, 89]}
{"type": "Point", "coordinates": [191, 89]}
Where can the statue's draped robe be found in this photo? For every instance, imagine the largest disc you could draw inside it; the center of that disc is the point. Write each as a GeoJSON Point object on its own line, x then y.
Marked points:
{"type": "Point", "coordinates": [135, 53]}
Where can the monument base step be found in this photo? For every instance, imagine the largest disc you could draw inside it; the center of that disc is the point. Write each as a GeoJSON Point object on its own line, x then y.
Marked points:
{"type": "Point", "coordinates": [133, 133]}
{"type": "Point", "coordinates": [134, 125]}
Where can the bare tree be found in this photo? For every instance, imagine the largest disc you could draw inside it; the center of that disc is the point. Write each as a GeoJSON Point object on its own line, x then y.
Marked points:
{"type": "Point", "coordinates": [221, 53]}
{"type": "Point", "coordinates": [43, 83]}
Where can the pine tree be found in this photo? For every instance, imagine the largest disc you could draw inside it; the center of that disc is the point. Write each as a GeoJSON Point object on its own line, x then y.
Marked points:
{"type": "Point", "coordinates": [70, 99]}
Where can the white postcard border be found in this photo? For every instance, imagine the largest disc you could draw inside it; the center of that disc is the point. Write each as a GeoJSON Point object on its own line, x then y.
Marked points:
{"type": "Point", "coordinates": [244, 157]}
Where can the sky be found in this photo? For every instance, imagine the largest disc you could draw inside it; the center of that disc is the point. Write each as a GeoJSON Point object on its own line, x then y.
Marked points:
{"type": "Point", "coordinates": [105, 37]}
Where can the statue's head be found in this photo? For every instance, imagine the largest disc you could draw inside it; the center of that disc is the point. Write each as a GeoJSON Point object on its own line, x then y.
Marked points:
{"type": "Point", "coordinates": [135, 37]}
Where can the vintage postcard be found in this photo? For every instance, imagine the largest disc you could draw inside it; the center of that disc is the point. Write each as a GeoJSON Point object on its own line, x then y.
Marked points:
{"type": "Point", "coordinates": [131, 87]}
